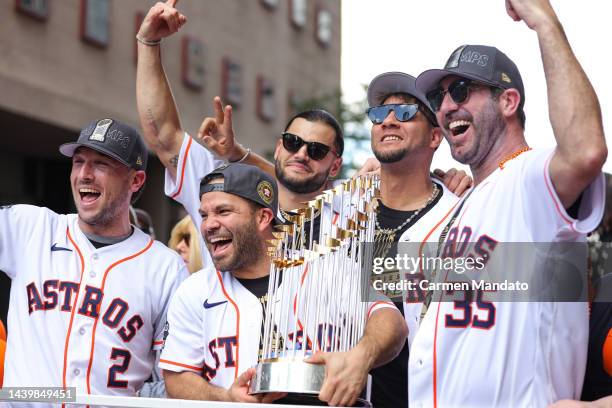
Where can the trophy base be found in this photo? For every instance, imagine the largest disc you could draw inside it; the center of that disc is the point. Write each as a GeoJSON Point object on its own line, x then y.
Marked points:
{"type": "Point", "coordinates": [288, 375]}
{"type": "Point", "coordinates": [302, 381]}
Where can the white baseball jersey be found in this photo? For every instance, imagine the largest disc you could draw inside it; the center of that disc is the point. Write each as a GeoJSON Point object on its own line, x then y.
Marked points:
{"type": "Point", "coordinates": [80, 316]}
{"type": "Point", "coordinates": [489, 353]}
{"type": "Point", "coordinates": [194, 162]}
{"type": "Point", "coordinates": [215, 326]}
{"type": "Point", "coordinates": [427, 229]}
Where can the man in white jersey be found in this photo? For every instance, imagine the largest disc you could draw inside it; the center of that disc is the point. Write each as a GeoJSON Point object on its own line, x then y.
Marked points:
{"type": "Point", "coordinates": [412, 205]}
{"type": "Point", "coordinates": [479, 351]}
{"type": "Point", "coordinates": [215, 319]}
{"type": "Point", "coordinates": [89, 291]}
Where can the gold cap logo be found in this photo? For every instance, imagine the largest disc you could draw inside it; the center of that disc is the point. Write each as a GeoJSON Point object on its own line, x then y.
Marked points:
{"type": "Point", "coordinates": [265, 191]}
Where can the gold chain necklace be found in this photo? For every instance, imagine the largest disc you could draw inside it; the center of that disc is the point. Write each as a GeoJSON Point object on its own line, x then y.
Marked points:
{"type": "Point", "coordinates": [385, 237]}
{"type": "Point", "coordinates": [514, 156]}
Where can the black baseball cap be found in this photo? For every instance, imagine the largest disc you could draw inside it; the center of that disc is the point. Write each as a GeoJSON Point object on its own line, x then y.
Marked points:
{"type": "Point", "coordinates": [246, 181]}
{"type": "Point", "coordinates": [394, 82]}
{"type": "Point", "coordinates": [114, 139]}
{"type": "Point", "coordinates": [480, 63]}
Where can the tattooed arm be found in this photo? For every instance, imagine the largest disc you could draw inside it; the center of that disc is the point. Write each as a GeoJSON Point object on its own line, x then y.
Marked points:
{"type": "Point", "coordinates": [157, 110]}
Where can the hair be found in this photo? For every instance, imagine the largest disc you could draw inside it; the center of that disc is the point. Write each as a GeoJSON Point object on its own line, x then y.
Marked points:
{"type": "Point", "coordinates": [520, 112]}
{"type": "Point", "coordinates": [323, 116]}
{"type": "Point", "coordinates": [407, 98]}
{"type": "Point", "coordinates": [183, 229]}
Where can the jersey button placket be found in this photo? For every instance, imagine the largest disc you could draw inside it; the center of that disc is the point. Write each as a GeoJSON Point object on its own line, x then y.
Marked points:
{"type": "Point", "coordinates": [92, 271]}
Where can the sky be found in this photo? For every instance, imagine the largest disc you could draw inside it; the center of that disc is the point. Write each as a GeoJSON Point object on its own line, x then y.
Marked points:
{"type": "Point", "coordinates": [412, 36]}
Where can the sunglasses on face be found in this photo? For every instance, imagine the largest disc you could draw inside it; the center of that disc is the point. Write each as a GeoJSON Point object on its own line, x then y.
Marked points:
{"type": "Point", "coordinates": [402, 111]}
{"type": "Point", "coordinates": [458, 90]}
{"type": "Point", "coordinates": [316, 151]}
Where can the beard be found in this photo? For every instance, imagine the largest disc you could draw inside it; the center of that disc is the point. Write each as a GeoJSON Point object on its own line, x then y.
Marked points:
{"type": "Point", "coordinates": [305, 185]}
{"type": "Point", "coordinates": [488, 125]}
{"type": "Point", "coordinates": [390, 157]}
{"type": "Point", "coordinates": [248, 248]}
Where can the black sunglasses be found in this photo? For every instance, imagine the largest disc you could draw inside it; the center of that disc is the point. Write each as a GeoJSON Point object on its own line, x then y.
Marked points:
{"type": "Point", "coordinates": [403, 112]}
{"type": "Point", "coordinates": [458, 90]}
{"type": "Point", "coordinates": [316, 151]}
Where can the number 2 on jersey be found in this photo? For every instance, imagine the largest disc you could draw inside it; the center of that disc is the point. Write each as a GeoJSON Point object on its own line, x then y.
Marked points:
{"type": "Point", "coordinates": [120, 368]}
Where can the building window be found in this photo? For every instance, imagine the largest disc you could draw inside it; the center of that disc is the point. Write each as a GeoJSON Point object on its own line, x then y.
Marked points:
{"type": "Point", "coordinates": [298, 13]}
{"type": "Point", "coordinates": [324, 27]}
{"type": "Point", "coordinates": [193, 63]}
{"type": "Point", "coordinates": [295, 103]}
{"type": "Point", "coordinates": [39, 9]}
{"type": "Point", "coordinates": [95, 16]}
{"type": "Point", "coordinates": [266, 101]}
{"type": "Point", "coordinates": [231, 82]}
{"type": "Point", "coordinates": [270, 4]}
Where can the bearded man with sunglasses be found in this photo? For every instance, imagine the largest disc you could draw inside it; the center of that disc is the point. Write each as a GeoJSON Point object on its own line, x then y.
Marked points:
{"type": "Point", "coordinates": [512, 353]}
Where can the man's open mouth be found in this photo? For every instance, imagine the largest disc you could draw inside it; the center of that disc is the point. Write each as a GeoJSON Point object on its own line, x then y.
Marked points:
{"type": "Point", "coordinates": [458, 127]}
{"type": "Point", "coordinates": [220, 243]}
{"type": "Point", "coordinates": [89, 195]}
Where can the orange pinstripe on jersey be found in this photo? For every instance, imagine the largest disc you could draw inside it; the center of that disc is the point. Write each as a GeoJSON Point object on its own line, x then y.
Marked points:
{"type": "Point", "coordinates": [237, 324]}
{"type": "Point", "coordinates": [198, 369]}
{"type": "Point", "coordinates": [74, 307]}
{"type": "Point", "coordinates": [180, 187]}
{"type": "Point", "coordinates": [435, 360]}
{"type": "Point", "coordinates": [554, 198]}
{"type": "Point", "coordinates": [376, 304]}
{"type": "Point", "coordinates": [95, 325]}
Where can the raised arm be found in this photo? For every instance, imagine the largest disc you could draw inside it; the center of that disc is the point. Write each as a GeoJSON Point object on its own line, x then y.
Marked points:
{"type": "Point", "coordinates": [573, 107]}
{"type": "Point", "coordinates": [156, 107]}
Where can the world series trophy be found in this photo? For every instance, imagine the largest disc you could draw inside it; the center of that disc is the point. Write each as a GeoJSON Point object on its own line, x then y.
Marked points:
{"type": "Point", "coordinates": [317, 292]}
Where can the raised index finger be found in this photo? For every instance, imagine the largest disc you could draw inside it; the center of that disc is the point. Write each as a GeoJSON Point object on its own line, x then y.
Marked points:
{"type": "Point", "coordinates": [172, 3]}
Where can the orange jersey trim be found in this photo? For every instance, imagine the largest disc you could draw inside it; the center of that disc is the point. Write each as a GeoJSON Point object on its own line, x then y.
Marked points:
{"type": "Point", "coordinates": [376, 304]}
{"type": "Point", "coordinates": [554, 197]}
{"type": "Point", "coordinates": [237, 323]}
{"type": "Point", "coordinates": [93, 336]}
{"type": "Point", "coordinates": [435, 360]}
{"type": "Point", "coordinates": [74, 307]}
{"type": "Point", "coordinates": [198, 369]}
{"type": "Point", "coordinates": [435, 227]}
{"type": "Point", "coordinates": [182, 178]}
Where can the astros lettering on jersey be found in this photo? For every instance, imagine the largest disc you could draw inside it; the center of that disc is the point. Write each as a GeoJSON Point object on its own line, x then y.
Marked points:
{"type": "Point", "coordinates": [80, 316]}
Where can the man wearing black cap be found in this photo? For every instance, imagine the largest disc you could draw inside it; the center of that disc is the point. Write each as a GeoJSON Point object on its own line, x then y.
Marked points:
{"type": "Point", "coordinates": [215, 319]}
{"type": "Point", "coordinates": [89, 291]}
{"type": "Point", "coordinates": [479, 351]}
